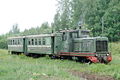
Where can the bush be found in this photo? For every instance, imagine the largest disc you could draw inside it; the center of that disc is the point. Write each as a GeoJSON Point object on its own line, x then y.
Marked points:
{"type": "Point", "coordinates": [3, 43]}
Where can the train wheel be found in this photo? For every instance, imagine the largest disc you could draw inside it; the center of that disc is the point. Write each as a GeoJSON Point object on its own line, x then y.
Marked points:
{"type": "Point", "coordinates": [13, 52]}
{"type": "Point", "coordinates": [61, 58]}
{"type": "Point", "coordinates": [53, 57]}
{"type": "Point", "coordinates": [35, 56]}
{"type": "Point", "coordinates": [26, 54]}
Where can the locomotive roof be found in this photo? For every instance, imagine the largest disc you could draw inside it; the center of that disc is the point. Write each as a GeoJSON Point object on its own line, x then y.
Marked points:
{"type": "Point", "coordinates": [69, 30]}
{"type": "Point", "coordinates": [74, 30]}
{"type": "Point", "coordinates": [97, 38]}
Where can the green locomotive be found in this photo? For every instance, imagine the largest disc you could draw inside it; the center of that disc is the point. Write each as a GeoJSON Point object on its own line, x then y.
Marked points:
{"type": "Point", "coordinates": [63, 44]}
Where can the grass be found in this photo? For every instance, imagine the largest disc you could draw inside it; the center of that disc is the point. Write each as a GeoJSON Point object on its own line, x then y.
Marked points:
{"type": "Point", "coordinates": [13, 67]}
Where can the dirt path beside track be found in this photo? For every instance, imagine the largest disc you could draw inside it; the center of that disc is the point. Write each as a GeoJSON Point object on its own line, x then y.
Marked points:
{"type": "Point", "coordinates": [89, 76]}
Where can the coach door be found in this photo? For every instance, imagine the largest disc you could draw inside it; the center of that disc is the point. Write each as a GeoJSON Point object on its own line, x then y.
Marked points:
{"type": "Point", "coordinates": [52, 44]}
{"type": "Point", "coordinates": [25, 45]}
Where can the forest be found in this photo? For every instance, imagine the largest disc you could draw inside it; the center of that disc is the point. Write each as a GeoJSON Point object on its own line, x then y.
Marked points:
{"type": "Point", "coordinates": [101, 17]}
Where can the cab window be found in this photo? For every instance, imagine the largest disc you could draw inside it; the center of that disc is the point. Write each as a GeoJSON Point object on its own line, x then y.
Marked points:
{"type": "Point", "coordinates": [64, 37]}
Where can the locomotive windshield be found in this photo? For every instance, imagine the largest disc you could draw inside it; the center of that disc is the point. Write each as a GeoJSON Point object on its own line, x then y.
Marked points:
{"type": "Point", "coordinates": [101, 46]}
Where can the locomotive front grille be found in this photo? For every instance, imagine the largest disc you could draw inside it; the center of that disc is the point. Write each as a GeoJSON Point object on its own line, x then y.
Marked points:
{"type": "Point", "coordinates": [101, 46]}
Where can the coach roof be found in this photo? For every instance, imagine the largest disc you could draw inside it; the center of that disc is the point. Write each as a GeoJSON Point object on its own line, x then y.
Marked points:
{"type": "Point", "coordinates": [17, 37]}
{"type": "Point", "coordinates": [40, 35]}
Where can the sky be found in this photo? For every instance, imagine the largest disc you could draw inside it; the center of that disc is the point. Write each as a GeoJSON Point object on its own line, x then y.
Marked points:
{"type": "Point", "coordinates": [25, 13]}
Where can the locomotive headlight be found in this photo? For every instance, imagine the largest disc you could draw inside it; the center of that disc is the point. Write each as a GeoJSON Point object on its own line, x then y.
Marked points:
{"type": "Point", "coordinates": [96, 54]}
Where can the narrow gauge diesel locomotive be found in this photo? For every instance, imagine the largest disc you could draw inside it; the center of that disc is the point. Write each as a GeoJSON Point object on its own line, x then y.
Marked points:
{"type": "Point", "coordinates": [63, 44]}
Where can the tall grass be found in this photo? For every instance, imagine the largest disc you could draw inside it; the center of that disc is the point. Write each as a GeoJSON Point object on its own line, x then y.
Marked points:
{"type": "Point", "coordinates": [14, 67]}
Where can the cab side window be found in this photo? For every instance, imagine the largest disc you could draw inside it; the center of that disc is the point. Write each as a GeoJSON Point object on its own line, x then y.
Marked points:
{"type": "Point", "coordinates": [75, 35]}
{"type": "Point", "coordinates": [64, 37]}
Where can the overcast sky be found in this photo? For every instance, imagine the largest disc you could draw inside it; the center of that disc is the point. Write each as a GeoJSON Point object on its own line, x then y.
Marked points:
{"type": "Point", "coordinates": [27, 13]}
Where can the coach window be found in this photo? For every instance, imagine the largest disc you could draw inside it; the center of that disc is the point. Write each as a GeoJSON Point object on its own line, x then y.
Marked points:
{"type": "Point", "coordinates": [13, 42]}
{"type": "Point", "coordinates": [9, 42]}
{"type": "Point", "coordinates": [21, 41]}
{"type": "Point", "coordinates": [35, 41]}
{"type": "Point", "coordinates": [39, 41]}
{"type": "Point", "coordinates": [29, 42]}
{"type": "Point", "coordinates": [32, 41]}
{"type": "Point", "coordinates": [48, 41]}
{"type": "Point", "coordinates": [44, 41]}
{"type": "Point", "coordinates": [18, 42]}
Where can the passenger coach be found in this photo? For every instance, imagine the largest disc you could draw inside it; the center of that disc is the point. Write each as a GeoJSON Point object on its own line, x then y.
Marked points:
{"type": "Point", "coordinates": [38, 44]}
{"type": "Point", "coordinates": [16, 44]}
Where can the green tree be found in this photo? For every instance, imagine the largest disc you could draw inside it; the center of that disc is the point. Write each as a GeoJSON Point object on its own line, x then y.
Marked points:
{"type": "Point", "coordinates": [57, 24]}
{"type": "Point", "coordinates": [100, 16]}
{"type": "Point", "coordinates": [3, 42]}
{"type": "Point", "coordinates": [62, 18]}
{"type": "Point", "coordinates": [15, 29]}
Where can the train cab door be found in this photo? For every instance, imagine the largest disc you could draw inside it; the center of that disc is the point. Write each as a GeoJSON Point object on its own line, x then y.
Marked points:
{"type": "Point", "coordinates": [67, 42]}
{"type": "Point", "coordinates": [57, 44]}
{"type": "Point", "coordinates": [63, 43]}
